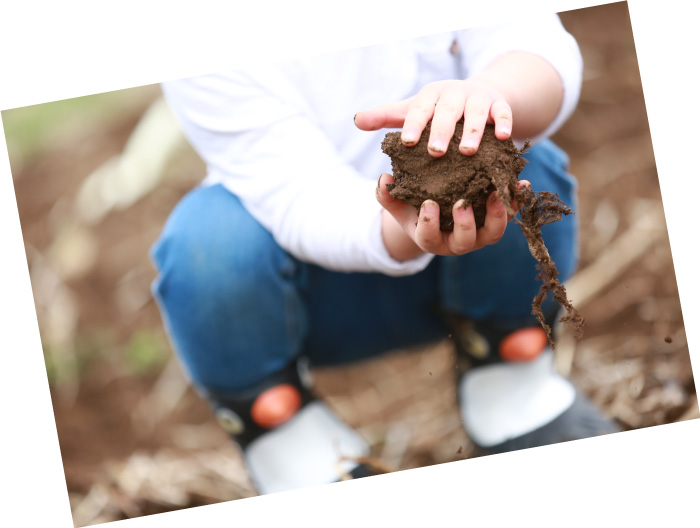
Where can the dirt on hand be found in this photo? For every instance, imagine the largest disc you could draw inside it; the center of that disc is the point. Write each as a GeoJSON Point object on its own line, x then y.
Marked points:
{"type": "Point", "coordinates": [495, 166]}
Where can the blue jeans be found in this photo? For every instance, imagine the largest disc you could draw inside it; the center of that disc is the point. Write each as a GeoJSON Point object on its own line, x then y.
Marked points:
{"type": "Point", "coordinates": [238, 308]}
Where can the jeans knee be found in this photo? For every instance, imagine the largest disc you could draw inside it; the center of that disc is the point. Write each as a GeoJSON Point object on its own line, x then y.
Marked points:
{"type": "Point", "coordinates": [227, 292]}
{"type": "Point", "coordinates": [211, 248]}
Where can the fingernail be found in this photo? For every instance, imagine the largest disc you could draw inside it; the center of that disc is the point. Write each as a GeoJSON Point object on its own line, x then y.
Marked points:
{"type": "Point", "coordinates": [437, 147]}
{"type": "Point", "coordinates": [430, 208]}
{"type": "Point", "coordinates": [408, 139]}
{"type": "Point", "coordinates": [462, 204]}
{"type": "Point", "coordinates": [469, 145]}
{"type": "Point", "coordinates": [504, 130]}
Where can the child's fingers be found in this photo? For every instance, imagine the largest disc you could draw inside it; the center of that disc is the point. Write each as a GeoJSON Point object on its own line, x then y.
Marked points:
{"type": "Point", "coordinates": [502, 117]}
{"type": "Point", "coordinates": [463, 238]}
{"type": "Point", "coordinates": [475, 116]}
{"type": "Point", "coordinates": [420, 111]}
{"type": "Point", "coordinates": [404, 213]}
{"type": "Point", "coordinates": [495, 222]}
{"type": "Point", "coordinates": [523, 183]}
{"type": "Point", "coordinates": [427, 234]}
{"type": "Point", "coordinates": [390, 115]}
{"type": "Point", "coordinates": [448, 110]}
{"type": "Point", "coordinates": [514, 205]}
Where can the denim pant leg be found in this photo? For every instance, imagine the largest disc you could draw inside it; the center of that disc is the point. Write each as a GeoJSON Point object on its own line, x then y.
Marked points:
{"type": "Point", "coordinates": [354, 316]}
{"type": "Point", "coordinates": [239, 309]}
{"type": "Point", "coordinates": [227, 292]}
{"type": "Point", "coordinates": [498, 282]}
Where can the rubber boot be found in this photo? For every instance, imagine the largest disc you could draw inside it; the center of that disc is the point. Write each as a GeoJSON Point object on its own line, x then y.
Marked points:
{"type": "Point", "coordinates": [289, 438]}
{"type": "Point", "coordinates": [510, 395]}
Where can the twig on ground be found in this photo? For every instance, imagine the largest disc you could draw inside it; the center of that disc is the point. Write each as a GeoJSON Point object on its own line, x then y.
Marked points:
{"type": "Point", "coordinates": [168, 390]}
{"type": "Point", "coordinates": [624, 251]}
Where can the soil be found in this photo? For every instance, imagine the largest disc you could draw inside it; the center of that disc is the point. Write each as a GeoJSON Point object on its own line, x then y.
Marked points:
{"type": "Point", "coordinates": [495, 166]}
{"type": "Point", "coordinates": [419, 176]}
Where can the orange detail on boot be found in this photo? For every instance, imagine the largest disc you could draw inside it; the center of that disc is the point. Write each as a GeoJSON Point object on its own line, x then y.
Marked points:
{"type": "Point", "coordinates": [523, 345]}
{"type": "Point", "coordinates": [275, 406]}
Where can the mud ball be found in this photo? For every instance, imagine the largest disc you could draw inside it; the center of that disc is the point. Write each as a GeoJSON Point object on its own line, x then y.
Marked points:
{"type": "Point", "coordinates": [446, 180]}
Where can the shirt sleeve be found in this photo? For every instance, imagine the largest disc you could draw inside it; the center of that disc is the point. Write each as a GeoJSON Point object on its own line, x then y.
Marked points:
{"type": "Point", "coordinates": [286, 172]}
{"type": "Point", "coordinates": [544, 36]}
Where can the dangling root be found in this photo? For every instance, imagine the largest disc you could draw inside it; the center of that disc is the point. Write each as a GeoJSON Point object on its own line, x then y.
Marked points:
{"type": "Point", "coordinates": [539, 209]}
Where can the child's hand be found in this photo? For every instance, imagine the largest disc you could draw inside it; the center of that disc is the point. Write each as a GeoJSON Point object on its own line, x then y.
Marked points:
{"type": "Point", "coordinates": [519, 84]}
{"type": "Point", "coordinates": [408, 233]}
{"type": "Point", "coordinates": [445, 102]}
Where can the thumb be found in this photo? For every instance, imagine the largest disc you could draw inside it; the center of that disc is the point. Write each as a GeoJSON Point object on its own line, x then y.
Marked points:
{"type": "Point", "coordinates": [405, 214]}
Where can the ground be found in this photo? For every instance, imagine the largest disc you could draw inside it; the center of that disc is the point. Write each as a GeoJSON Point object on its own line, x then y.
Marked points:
{"type": "Point", "coordinates": [135, 439]}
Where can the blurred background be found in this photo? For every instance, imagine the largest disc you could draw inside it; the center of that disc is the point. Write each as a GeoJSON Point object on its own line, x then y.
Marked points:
{"type": "Point", "coordinates": [96, 177]}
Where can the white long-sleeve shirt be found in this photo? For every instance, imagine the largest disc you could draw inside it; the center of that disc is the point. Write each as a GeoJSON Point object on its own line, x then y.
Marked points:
{"type": "Point", "coordinates": [281, 137]}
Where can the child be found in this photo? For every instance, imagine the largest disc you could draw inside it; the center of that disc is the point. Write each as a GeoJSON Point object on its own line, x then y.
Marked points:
{"type": "Point", "coordinates": [290, 251]}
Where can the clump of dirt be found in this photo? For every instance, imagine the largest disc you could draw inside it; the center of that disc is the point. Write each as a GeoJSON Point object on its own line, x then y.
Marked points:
{"type": "Point", "coordinates": [538, 209]}
{"type": "Point", "coordinates": [495, 166]}
{"type": "Point", "coordinates": [419, 176]}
